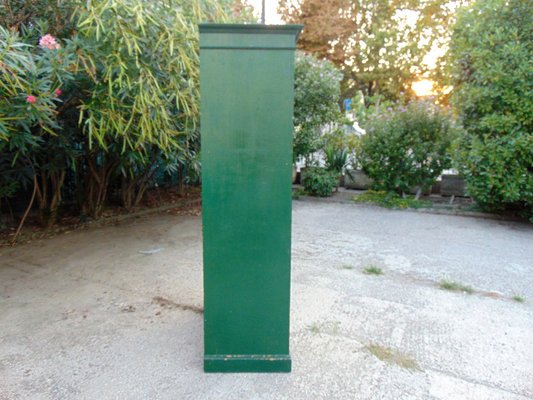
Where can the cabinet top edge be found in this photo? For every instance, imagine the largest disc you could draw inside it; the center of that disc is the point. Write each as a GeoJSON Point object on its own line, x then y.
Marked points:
{"type": "Point", "coordinates": [250, 28]}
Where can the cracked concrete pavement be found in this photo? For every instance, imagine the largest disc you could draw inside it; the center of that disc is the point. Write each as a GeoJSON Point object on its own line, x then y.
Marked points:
{"type": "Point", "coordinates": [84, 315]}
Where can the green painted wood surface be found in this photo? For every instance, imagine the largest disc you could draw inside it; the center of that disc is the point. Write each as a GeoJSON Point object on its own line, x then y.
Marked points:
{"type": "Point", "coordinates": [246, 83]}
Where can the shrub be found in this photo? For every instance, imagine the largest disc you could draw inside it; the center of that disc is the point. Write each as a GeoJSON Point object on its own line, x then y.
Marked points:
{"type": "Point", "coordinates": [406, 146]}
{"type": "Point", "coordinates": [492, 75]}
{"type": "Point", "coordinates": [92, 104]}
{"type": "Point", "coordinates": [498, 171]}
{"type": "Point", "coordinates": [320, 182]}
{"type": "Point", "coordinates": [316, 96]}
{"type": "Point", "coordinates": [29, 82]}
{"type": "Point", "coordinates": [32, 80]}
{"type": "Point", "coordinates": [144, 67]}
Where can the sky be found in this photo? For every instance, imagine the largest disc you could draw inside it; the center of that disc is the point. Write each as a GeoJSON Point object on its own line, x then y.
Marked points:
{"type": "Point", "coordinates": [271, 15]}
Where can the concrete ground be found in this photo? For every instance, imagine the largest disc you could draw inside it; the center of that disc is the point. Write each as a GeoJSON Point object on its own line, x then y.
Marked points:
{"type": "Point", "coordinates": [85, 315]}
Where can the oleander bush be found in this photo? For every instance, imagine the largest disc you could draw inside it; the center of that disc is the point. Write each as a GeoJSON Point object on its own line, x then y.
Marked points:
{"type": "Point", "coordinates": [32, 145]}
{"type": "Point", "coordinates": [99, 103]}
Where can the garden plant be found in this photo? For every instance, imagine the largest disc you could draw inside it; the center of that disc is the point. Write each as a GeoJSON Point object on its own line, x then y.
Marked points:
{"type": "Point", "coordinates": [406, 146]}
{"type": "Point", "coordinates": [491, 66]}
{"type": "Point", "coordinates": [320, 181]}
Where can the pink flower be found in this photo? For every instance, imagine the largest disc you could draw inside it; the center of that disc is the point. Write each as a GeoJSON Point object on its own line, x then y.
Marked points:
{"type": "Point", "coordinates": [49, 42]}
{"type": "Point", "coordinates": [58, 92]}
{"type": "Point", "coordinates": [31, 99]}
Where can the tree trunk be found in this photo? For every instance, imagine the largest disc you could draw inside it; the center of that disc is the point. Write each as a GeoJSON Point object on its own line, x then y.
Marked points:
{"type": "Point", "coordinates": [30, 204]}
{"type": "Point", "coordinates": [133, 187]}
{"type": "Point", "coordinates": [49, 195]}
{"type": "Point", "coordinates": [97, 183]}
{"type": "Point", "coordinates": [181, 179]}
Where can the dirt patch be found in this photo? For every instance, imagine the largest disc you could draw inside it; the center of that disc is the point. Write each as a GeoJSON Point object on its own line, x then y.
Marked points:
{"type": "Point", "coordinates": [492, 295]}
{"type": "Point", "coordinates": [171, 305]}
{"type": "Point", "coordinates": [392, 356]}
{"type": "Point", "coordinates": [128, 309]}
{"type": "Point", "coordinates": [188, 203]}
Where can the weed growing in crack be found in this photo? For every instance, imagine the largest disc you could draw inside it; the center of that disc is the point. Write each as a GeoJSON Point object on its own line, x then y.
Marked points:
{"type": "Point", "coordinates": [455, 287]}
{"type": "Point", "coordinates": [518, 298]}
{"type": "Point", "coordinates": [373, 270]}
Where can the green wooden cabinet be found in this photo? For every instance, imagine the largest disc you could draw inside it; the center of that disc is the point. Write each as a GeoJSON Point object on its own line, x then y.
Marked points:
{"type": "Point", "coordinates": [247, 84]}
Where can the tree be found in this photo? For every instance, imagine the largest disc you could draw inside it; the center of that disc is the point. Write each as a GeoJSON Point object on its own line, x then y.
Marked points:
{"type": "Point", "coordinates": [379, 45]}
{"type": "Point", "coordinates": [491, 58]}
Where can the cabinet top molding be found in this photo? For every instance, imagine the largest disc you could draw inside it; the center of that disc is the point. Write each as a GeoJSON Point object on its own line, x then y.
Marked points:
{"type": "Point", "coordinates": [251, 28]}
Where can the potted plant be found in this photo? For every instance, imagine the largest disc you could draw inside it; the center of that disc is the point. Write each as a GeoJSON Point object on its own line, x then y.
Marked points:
{"type": "Point", "coordinates": [336, 159]}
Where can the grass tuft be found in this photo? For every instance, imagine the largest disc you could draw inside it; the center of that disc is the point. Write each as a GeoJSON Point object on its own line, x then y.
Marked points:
{"type": "Point", "coordinates": [518, 298]}
{"type": "Point", "coordinates": [314, 328]}
{"type": "Point", "coordinates": [390, 200]}
{"type": "Point", "coordinates": [455, 287]}
{"type": "Point", "coordinates": [327, 327]}
{"type": "Point", "coordinates": [373, 270]}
